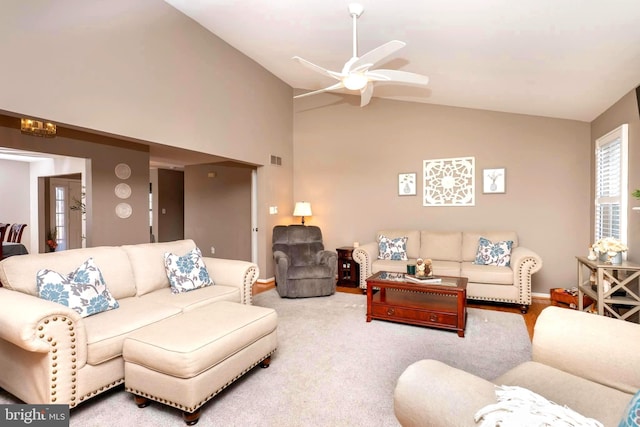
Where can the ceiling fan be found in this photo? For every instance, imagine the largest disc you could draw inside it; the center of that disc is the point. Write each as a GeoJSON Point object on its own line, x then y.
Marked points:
{"type": "Point", "coordinates": [356, 73]}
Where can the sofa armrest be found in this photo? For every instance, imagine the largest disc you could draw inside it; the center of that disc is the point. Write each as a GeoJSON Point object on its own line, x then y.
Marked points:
{"type": "Point", "coordinates": [599, 348]}
{"type": "Point", "coordinates": [364, 255]}
{"type": "Point", "coordinates": [231, 272]}
{"type": "Point", "coordinates": [24, 317]}
{"type": "Point", "coordinates": [56, 333]}
{"type": "Point", "coordinates": [524, 262]}
{"type": "Point", "coordinates": [431, 393]}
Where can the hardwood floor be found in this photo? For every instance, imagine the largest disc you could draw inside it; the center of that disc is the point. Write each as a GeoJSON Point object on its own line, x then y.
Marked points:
{"type": "Point", "coordinates": [537, 305]}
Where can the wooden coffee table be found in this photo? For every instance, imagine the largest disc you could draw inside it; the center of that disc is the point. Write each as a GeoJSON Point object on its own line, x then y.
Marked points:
{"type": "Point", "coordinates": [442, 306]}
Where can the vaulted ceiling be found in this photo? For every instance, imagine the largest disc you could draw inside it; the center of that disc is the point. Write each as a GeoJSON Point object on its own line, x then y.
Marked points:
{"type": "Point", "coordinates": [567, 59]}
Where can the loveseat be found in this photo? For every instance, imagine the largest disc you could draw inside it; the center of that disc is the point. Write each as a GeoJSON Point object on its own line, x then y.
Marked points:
{"type": "Point", "coordinates": [50, 354]}
{"type": "Point", "coordinates": [584, 361]}
{"type": "Point", "coordinates": [453, 254]}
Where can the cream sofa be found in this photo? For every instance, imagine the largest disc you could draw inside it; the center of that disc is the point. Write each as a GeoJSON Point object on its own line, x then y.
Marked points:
{"type": "Point", "coordinates": [452, 254]}
{"type": "Point", "coordinates": [582, 360]}
{"type": "Point", "coordinates": [49, 354]}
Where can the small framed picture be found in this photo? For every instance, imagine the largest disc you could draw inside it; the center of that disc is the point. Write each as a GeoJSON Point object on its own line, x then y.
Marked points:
{"type": "Point", "coordinates": [407, 184]}
{"type": "Point", "coordinates": [494, 181]}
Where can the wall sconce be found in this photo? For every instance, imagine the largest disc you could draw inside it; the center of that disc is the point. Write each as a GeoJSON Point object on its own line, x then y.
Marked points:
{"type": "Point", "coordinates": [37, 128]}
{"type": "Point", "coordinates": [302, 209]}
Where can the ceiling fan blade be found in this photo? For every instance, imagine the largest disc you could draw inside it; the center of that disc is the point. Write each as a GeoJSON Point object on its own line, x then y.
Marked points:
{"type": "Point", "coordinates": [398, 77]}
{"type": "Point", "coordinates": [336, 86]}
{"type": "Point", "coordinates": [374, 56]}
{"type": "Point", "coordinates": [365, 94]}
{"type": "Point", "coordinates": [317, 68]}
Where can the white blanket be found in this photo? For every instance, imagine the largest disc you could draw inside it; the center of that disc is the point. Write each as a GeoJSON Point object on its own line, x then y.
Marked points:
{"type": "Point", "coordinates": [520, 407]}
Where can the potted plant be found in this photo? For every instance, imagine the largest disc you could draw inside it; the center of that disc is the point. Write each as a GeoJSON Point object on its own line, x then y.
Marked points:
{"type": "Point", "coordinates": [52, 243]}
{"type": "Point", "coordinates": [610, 250]}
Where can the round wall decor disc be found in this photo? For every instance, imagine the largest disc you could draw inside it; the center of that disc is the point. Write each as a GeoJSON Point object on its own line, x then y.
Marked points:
{"type": "Point", "coordinates": [123, 171]}
{"type": "Point", "coordinates": [123, 190]}
{"type": "Point", "coordinates": [123, 210]}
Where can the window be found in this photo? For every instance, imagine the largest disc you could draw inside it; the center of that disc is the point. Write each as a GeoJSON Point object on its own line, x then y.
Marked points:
{"type": "Point", "coordinates": [611, 185]}
{"type": "Point", "coordinates": [59, 215]}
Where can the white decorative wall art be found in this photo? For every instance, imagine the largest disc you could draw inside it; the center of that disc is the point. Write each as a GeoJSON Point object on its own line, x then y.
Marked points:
{"type": "Point", "coordinates": [407, 184]}
{"type": "Point", "coordinates": [449, 182]}
{"type": "Point", "coordinates": [494, 180]}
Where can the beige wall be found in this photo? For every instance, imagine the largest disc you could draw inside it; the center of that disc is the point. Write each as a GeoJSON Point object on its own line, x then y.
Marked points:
{"type": "Point", "coordinates": [144, 70]}
{"type": "Point", "coordinates": [347, 161]}
{"type": "Point", "coordinates": [624, 111]}
{"type": "Point", "coordinates": [218, 210]}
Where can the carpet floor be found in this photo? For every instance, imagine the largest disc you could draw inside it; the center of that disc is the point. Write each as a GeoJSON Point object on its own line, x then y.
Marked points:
{"type": "Point", "coordinates": [331, 368]}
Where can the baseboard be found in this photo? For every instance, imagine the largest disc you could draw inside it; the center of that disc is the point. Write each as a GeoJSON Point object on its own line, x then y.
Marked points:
{"type": "Point", "coordinates": [266, 281]}
{"type": "Point", "coordinates": [540, 295]}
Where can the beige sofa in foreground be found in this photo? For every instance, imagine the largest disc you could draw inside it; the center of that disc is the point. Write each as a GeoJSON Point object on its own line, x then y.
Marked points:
{"type": "Point", "coordinates": [49, 354]}
{"type": "Point", "coordinates": [452, 254]}
{"type": "Point", "coordinates": [582, 360]}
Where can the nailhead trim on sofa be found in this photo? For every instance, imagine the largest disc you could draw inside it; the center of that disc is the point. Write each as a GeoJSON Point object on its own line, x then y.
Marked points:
{"type": "Point", "coordinates": [54, 321]}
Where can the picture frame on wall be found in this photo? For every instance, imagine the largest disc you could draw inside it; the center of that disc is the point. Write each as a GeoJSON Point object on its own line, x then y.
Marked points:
{"type": "Point", "coordinates": [449, 182]}
{"type": "Point", "coordinates": [494, 181]}
{"type": "Point", "coordinates": [407, 184]}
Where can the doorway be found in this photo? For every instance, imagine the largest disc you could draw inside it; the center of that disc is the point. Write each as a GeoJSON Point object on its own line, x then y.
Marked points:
{"type": "Point", "coordinates": [64, 212]}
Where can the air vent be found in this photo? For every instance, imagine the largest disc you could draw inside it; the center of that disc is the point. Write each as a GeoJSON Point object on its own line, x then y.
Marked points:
{"type": "Point", "coordinates": [276, 160]}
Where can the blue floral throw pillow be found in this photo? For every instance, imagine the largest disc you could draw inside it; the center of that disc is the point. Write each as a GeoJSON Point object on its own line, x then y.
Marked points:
{"type": "Point", "coordinates": [494, 253]}
{"type": "Point", "coordinates": [186, 272]}
{"type": "Point", "coordinates": [84, 290]}
{"type": "Point", "coordinates": [393, 249]}
{"type": "Point", "coordinates": [632, 413]}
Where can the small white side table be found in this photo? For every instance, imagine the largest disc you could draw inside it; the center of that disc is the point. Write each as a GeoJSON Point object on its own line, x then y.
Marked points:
{"type": "Point", "coordinates": [622, 277]}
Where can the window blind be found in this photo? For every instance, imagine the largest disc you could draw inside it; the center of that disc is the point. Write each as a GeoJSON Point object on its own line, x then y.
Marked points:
{"type": "Point", "coordinates": [610, 185]}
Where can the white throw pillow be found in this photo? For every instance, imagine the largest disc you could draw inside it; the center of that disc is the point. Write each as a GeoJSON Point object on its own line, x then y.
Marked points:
{"type": "Point", "coordinates": [393, 249]}
{"type": "Point", "coordinates": [494, 253]}
{"type": "Point", "coordinates": [520, 407]}
{"type": "Point", "coordinates": [186, 272]}
{"type": "Point", "coordinates": [84, 290]}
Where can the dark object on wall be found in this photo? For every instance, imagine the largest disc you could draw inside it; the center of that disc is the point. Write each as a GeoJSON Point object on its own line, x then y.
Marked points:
{"type": "Point", "coordinates": [638, 99]}
{"type": "Point", "coordinates": [303, 267]}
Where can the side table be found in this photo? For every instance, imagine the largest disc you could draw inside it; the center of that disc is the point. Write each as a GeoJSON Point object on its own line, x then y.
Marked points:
{"type": "Point", "coordinates": [348, 271]}
{"type": "Point", "coordinates": [621, 291]}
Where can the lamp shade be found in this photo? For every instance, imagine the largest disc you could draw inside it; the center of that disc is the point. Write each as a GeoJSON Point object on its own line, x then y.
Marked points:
{"type": "Point", "coordinates": [302, 209]}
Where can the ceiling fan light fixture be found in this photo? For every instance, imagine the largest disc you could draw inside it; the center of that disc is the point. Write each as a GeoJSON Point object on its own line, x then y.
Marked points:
{"type": "Point", "coordinates": [355, 81]}
{"type": "Point", "coordinates": [359, 72]}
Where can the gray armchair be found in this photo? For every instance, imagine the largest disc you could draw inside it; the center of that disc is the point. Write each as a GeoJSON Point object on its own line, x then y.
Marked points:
{"type": "Point", "coordinates": [303, 267]}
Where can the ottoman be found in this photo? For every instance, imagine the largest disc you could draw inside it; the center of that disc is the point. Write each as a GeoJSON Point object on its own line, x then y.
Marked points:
{"type": "Point", "coordinates": [185, 360]}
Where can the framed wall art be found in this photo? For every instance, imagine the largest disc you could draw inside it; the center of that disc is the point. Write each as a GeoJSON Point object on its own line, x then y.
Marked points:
{"type": "Point", "coordinates": [449, 182]}
{"type": "Point", "coordinates": [407, 184]}
{"type": "Point", "coordinates": [494, 181]}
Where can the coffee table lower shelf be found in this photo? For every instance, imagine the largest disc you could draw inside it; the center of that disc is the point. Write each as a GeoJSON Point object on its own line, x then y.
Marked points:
{"type": "Point", "coordinates": [434, 306]}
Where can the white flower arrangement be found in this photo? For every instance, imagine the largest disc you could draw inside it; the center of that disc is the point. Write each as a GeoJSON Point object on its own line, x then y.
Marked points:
{"type": "Point", "coordinates": [609, 244]}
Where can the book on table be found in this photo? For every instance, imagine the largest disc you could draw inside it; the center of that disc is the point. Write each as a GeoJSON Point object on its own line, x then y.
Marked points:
{"type": "Point", "coordinates": [423, 279]}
